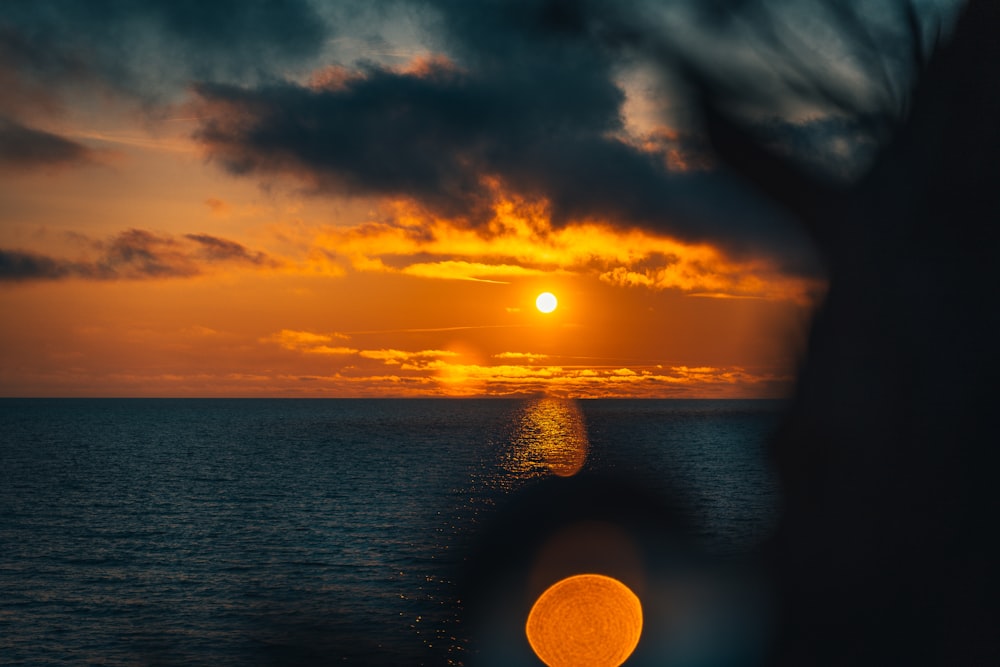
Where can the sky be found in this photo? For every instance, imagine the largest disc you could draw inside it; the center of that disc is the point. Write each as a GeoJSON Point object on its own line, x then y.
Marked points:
{"type": "Point", "coordinates": [363, 199]}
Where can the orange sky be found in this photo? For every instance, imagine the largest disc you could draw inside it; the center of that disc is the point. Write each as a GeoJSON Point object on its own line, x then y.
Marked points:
{"type": "Point", "coordinates": [146, 269]}
{"type": "Point", "coordinates": [345, 304]}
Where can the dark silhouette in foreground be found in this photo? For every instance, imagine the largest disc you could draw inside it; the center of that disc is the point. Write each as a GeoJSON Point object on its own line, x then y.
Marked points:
{"type": "Point", "coordinates": [886, 553]}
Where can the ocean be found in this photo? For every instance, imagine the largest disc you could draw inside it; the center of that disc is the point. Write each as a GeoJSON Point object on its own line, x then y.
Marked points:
{"type": "Point", "coordinates": [276, 532]}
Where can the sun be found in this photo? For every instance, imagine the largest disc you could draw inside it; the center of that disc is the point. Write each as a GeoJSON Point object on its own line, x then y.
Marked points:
{"type": "Point", "coordinates": [546, 302]}
{"type": "Point", "coordinates": [587, 620]}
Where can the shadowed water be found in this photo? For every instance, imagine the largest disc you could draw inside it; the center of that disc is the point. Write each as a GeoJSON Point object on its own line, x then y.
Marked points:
{"type": "Point", "coordinates": [284, 531]}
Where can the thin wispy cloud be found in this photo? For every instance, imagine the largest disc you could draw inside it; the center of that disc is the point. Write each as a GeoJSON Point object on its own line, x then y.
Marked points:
{"type": "Point", "coordinates": [23, 147]}
{"type": "Point", "coordinates": [134, 254]}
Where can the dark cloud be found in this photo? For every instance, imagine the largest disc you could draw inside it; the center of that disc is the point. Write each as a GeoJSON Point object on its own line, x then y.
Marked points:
{"type": "Point", "coordinates": [445, 135]}
{"type": "Point", "coordinates": [216, 249]}
{"type": "Point", "coordinates": [16, 265]}
{"type": "Point", "coordinates": [139, 253]}
{"type": "Point", "coordinates": [25, 147]}
{"type": "Point", "coordinates": [56, 53]}
{"type": "Point", "coordinates": [835, 148]}
{"type": "Point", "coordinates": [153, 48]}
{"type": "Point", "coordinates": [433, 135]}
{"type": "Point", "coordinates": [134, 254]}
{"type": "Point", "coordinates": [849, 56]}
{"type": "Point", "coordinates": [531, 99]}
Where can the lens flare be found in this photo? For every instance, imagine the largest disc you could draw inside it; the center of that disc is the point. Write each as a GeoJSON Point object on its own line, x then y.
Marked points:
{"type": "Point", "coordinates": [587, 620]}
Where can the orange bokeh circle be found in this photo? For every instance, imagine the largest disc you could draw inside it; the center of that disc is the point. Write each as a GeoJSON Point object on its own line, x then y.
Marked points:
{"type": "Point", "coordinates": [587, 620]}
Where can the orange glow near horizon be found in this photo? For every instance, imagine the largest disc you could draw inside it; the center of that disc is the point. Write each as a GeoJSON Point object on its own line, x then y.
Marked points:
{"type": "Point", "coordinates": [520, 241]}
{"type": "Point", "coordinates": [229, 291]}
{"type": "Point", "coordinates": [587, 620]}
{"type": "Point", "coordinates": [390, 336]}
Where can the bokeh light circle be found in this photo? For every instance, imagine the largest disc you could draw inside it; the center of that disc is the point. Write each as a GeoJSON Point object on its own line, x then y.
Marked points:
{"type": "Point", "coordinates": [587, 620]}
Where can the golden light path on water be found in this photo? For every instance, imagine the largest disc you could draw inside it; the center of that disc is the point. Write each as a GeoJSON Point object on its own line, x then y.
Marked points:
{"type": "Point", "coordinates": [550, 438]}
{"type": "Point", "coordinates": [582, 620]}
{"type": "Point", "coordinates": [576, 547]}
{"type": "Point", "coordinates": [587, 620]}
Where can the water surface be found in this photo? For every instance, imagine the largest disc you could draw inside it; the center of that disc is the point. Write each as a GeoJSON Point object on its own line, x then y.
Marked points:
{"type": "Point", "coordinates": [313, 531]}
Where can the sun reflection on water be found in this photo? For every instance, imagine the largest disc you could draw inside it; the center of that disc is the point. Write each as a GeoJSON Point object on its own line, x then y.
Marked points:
{"type": "Point", "coordinates": [550, 437]}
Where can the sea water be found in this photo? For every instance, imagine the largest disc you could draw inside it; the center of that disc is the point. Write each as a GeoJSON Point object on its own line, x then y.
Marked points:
{"type": "Point", "coordinates": [258, 532]}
